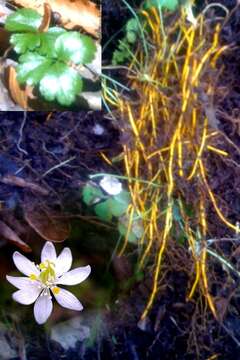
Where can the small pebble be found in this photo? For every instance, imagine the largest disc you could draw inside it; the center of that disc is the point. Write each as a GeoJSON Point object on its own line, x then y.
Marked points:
{"type": "Point", "coordinates": [98, 130]}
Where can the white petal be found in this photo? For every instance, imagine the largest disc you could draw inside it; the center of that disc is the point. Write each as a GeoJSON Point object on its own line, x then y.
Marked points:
{"type": "Point", "coordinates": [21, 282]}
{"type": "Point", "coordinates": [42, 308]}
{"type": "Point", "coordinates": [26, 296]}
{"type": "Point", "coordinates": [75, 276]}
{"type": "Point", "coordinates": [68, 300]}
{"type": "Point", "coordinates": [24, 265]}
{"type": "Point", "coordinates": [64, 261]}
{"type": "Point", "coordinates": [111, 185]}
{"type": "Point", "coordinates": [48, 252]}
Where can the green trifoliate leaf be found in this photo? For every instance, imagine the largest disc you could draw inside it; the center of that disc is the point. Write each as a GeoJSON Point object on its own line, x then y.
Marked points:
{"type": "Point", "coordinates": [123, 197]}
{"type": "Point", "coordinates": [91, 194]}
{"type": "Point", "coordinates": [57, 81]}
{"type": "Point", "coordinates": [75, 47]}
{"type": "Point", "coordinates": [131, 37]}
{"type": "Point", "coordinates": [43, 43]}
{"type": "Point", "coordinates": [25, 42]}
{"type": "Point", "coordinates": [56, 31]}
{"type": "Point", "coordinates": [103, 210]}
{"type": "Point", "coordinates": [132, 25]}
{"type": "Point", "coordinates": [119, 203]}
{"type": "Point", "coordinates": [61, 83]}
{"type": "Point", "coordinates": [119, 56]}
{"type": "Point", "coordinates": [48, 40]}
{"type": "Point", "coordinates": [132, 29]}
{"type": "Point", "coordinates": [167, 4]}
{"type": "Point", "coordinates": [32, 68]}
{"type": "Point", "coordinates": [23, 20]}
{"type": "Point", "coordinates": [114, 206]}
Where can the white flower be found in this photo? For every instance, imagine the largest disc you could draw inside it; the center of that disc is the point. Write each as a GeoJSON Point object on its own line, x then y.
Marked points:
{"type": "Point", "coordinates": [111, 185]}
{"type": "Point", "coordinates": [42, 280]}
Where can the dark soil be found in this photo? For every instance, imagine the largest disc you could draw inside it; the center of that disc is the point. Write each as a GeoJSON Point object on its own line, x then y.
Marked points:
{"type": "Point", "coordinates": [32, 147]}
{"type": "Point", "coordinates": [46, 159]}
{"type": "Point", "coordinates": [174, 329]}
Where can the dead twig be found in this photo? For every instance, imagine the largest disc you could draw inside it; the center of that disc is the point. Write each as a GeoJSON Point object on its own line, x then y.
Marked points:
{"type": "Point", "coordinates": [17, 181]}
{"type": "Point", "coordinates": [58, 166]}
{"type": "Point", "coordinates": [21, 133]}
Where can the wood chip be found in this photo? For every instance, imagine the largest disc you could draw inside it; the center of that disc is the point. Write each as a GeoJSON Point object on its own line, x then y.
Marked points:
{"type": "Point", "coordinates": [73, 13]}
{"type": "Point", "coordinates": [46, 18]}
{"type": "Point", "coordinates": [18, 94]}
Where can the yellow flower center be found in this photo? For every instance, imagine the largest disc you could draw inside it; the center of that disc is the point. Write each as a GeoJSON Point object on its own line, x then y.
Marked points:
{"type": "Point", "coordinates": [47, 274]}
{"type": "Point", "coordinates": [33, 277]}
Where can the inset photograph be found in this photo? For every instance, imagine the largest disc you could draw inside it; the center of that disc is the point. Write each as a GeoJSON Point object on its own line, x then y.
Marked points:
{"type": "Point", "coordinates": [50, 55]}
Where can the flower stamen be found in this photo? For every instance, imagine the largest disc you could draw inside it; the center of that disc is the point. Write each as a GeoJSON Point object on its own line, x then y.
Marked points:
{"type": "Point", "coordinates": [33, 277]}
{"type": "Point", "coordinates": [55, 290]}
{"type": "Point", "coordinates": [47, 275]}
